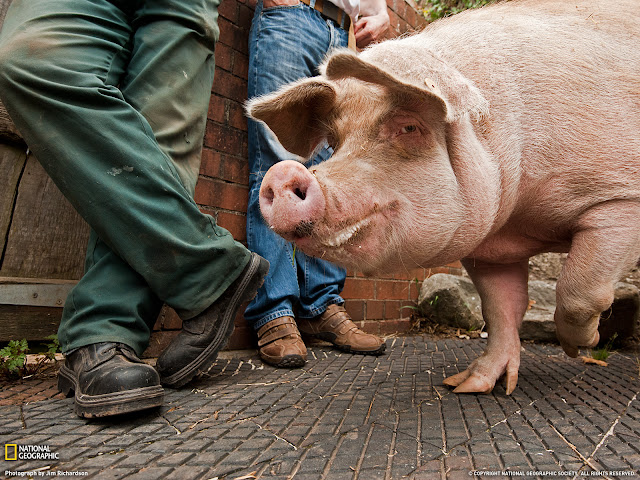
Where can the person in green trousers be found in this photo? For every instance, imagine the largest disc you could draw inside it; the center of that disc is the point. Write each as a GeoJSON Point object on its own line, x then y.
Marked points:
{"type": "Point", "coordinates": [111, 96]}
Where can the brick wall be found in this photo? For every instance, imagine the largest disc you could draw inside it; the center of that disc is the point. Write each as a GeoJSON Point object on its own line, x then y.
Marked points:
{"type": "Point", "coordinates": [376, 304]}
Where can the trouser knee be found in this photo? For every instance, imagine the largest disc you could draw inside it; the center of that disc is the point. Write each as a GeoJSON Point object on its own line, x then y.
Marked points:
{"type": "Point", "coordinates": [10, 66]}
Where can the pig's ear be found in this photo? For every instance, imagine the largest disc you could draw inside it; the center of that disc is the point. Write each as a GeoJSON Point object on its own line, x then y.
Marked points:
{"type": "Point", "coordinates": [295, 113]}
{"type": "Point", "coordinates": [425, 77]}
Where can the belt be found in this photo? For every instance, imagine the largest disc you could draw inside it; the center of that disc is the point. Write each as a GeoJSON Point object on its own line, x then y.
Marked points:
{"type": "Point", "coordinates": [333, 12]}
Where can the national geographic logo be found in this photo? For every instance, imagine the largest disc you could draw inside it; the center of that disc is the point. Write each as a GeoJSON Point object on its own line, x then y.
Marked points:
{"type": "Point", "coordinates": [13, 451]}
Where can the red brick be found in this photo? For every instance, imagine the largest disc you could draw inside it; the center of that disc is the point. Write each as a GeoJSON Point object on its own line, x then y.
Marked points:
{"type": "Point", "coordinates": [229, 9]}
{"type": "Point", "coordinates": [169, 319]}
{"type": "Point", "coordinates": [235, 115]}
{"type": "Point", "coordinates": [358, 288]}
{"type": "Point", "coordinates": [211, 164]}
{"type": "Point", "coordinates": [371, 327]}
{"type": "Point", "coordinates": [404, 27]}
{"type": "Point", "coordinates": [241, 66]}
{"type": "Point", "coordinates": [229, 86]}
{"type": "Point", "coordinates": [455, 271]}
{"type": "Point", "coordinates": [393, 309]}
{"type": "Point", "coordinates": [392, 290]}
{"type": "Point", "coordinates": [242, 338]}
{"type": "Point", "coordinates": [415, 20]}
{"type": "Point", "coordinates": [235, 223]}
{"type": "Point", "coordinates": [158, 342]}
{"type": "Point", "coordinates": [245, 16]}
{"type": "Point", "coordinates": [216, 165]}
{"type": "Point", "coordinates": [225, 139]}
{"type": "Point", "coordinates": [375, 309]}
{"type": "Point", "coordinates": [224, 57]}
{"type": "Point", "coordinates": [355, 309]}
{"type": "Point", "coordinates": [217, 109]}
{"type": "Point", "coordinates": [414, 289]}
{"type": "Point", "coordinates": [393, 275]}
{"type": "Point", "coordinates": [401, 9]}
{"type": "Point", "coordinates": [233, 36]}
{"type": "Point", "coordinates": [433, 271]}
{"type": "Point", "coordinates": [394, 21]}
{"type": "Point", "coordinates": [235, 170]}
{"type": "Point", "coordinates": [402, 325]}
{"type": "Point", "coordinates": [219, 194]}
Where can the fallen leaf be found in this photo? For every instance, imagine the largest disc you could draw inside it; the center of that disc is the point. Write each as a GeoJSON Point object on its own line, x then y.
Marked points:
{"type": "Point", "coordinates": [593, 361]}
{"type": "Point", "coordinates": [247, 477]}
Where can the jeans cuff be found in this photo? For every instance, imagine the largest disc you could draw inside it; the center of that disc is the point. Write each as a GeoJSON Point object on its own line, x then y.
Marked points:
{"type": "Point", "coordinates": [320, 310]}
{"type": "Point", "coordinates": [263, 321]}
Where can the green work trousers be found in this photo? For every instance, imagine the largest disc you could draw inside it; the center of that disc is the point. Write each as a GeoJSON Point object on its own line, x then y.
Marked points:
{"type": "Point", "coordinates": [112, 98]}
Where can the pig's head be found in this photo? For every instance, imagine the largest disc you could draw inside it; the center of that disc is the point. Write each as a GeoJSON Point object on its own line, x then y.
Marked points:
{"type": "Point", "coordinates": [407, 176]}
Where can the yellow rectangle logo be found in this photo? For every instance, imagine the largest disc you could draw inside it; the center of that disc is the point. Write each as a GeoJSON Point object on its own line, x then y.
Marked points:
{"type": "Point", "coordinates": [7, 447]}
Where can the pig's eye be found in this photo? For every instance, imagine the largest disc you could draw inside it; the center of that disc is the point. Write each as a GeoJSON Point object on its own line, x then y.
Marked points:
{"type": "Point", "coordinates": [409, 129]}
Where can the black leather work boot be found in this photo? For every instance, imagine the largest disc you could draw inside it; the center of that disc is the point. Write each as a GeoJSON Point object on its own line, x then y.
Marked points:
{"type": "Point", "coordinates": [109, 379]}
{"type": "Point", "coordinates": [194, 350]}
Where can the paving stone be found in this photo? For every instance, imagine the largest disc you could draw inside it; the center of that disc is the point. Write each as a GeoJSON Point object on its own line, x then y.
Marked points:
{"type": "Point", "coordinates": [346, 416]}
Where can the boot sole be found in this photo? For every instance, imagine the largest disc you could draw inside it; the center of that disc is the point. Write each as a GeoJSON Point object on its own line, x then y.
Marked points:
{"type": "Point", "coordinates": [245, 292]}
{"type": "Point", "coordinates": [289, 361]}
{"type": "Point", "coordinates": [331, 338]}
{"type": "Point", "coordinates": [116, 403]}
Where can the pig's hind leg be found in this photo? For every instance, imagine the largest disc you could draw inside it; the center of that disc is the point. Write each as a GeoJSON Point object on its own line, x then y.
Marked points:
{"type": "Point", "coordinates": [606, 245]}
{"type": "Point", "coordinates": [504, 294]}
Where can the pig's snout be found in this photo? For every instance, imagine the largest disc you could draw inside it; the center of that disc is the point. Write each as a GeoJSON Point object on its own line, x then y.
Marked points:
{"type": "Point", "coordinates": [291, 200]}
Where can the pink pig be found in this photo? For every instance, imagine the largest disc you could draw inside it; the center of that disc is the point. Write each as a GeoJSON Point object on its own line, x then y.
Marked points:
{"type": "Point", "coordinates": [492, 136]}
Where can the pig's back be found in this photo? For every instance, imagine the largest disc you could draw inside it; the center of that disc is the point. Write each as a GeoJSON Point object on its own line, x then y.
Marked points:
{"type": "Point", "coordinates": [562, 84]}
{"type": "Point", "coordinates": [563, 78]}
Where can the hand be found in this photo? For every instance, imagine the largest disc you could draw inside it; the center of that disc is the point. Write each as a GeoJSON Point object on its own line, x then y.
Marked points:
{"type": "Point", "coordinates": [371, 28]}
{"type": "Point", "coordinates": [279, 3]}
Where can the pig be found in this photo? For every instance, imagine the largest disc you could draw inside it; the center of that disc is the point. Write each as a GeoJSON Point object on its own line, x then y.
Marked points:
{"type": "Point", "coordinates": [489, 137]}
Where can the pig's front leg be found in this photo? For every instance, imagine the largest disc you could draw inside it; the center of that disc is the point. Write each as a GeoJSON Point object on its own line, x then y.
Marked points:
{"type": "Point", "coordinates": [504, 294]}
{"type": "Point", "coordinates": [606, 245]}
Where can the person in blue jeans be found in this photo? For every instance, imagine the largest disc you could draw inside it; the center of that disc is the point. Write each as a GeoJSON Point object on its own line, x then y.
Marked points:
{"type": "Point", "coordinates": [289, 39]}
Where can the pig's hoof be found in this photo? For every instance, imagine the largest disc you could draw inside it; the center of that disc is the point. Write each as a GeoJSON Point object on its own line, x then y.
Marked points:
{"type": "Point", "coordinates": [573, 336]}
{"type": "Point", "coordinates": [574, 350]}
{"type": "Point", "coordinates": [476, 380]}
{"type": "Point", "coordinates": [466, 383]}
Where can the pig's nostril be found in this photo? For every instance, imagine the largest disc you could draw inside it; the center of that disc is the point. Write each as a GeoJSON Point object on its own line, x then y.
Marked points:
{"type": "Point", "coordinates": [300, 194]}
{"type": "Point", "coordinates": [268, 195]}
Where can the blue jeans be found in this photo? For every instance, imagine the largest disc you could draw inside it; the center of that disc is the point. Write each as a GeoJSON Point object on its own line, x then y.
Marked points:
{"type": "Point", "coordinates": [286, 44]}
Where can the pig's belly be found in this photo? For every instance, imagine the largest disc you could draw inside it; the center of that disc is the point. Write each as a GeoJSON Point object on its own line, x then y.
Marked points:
{"type": "Point", "coordinates": [515, 248]}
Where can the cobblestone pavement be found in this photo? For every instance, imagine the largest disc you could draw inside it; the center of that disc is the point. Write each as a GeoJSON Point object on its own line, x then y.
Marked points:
{"type": "Point", "coordinates": [354, 417]}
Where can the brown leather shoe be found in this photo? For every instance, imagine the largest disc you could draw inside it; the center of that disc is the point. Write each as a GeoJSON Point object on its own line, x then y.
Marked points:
{"type": "Point", "coordinates": [280, 343]}
{"type": "Point", "coordinates": [335, 326]}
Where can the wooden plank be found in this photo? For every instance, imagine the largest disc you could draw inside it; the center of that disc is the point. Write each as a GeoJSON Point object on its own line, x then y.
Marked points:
{"type": "Point", "coordinates": [31, 308]}
{"type": "Point", "coordinates": [34, 292]}
{"type": "Point", "coordinates": [12, 161]}
{"type": "Point", "coordinates": [30, 323]}
{"type": "Point", "coordinates": [8, 131]}
{"type": "Point", "coordinates": [47, 238]}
